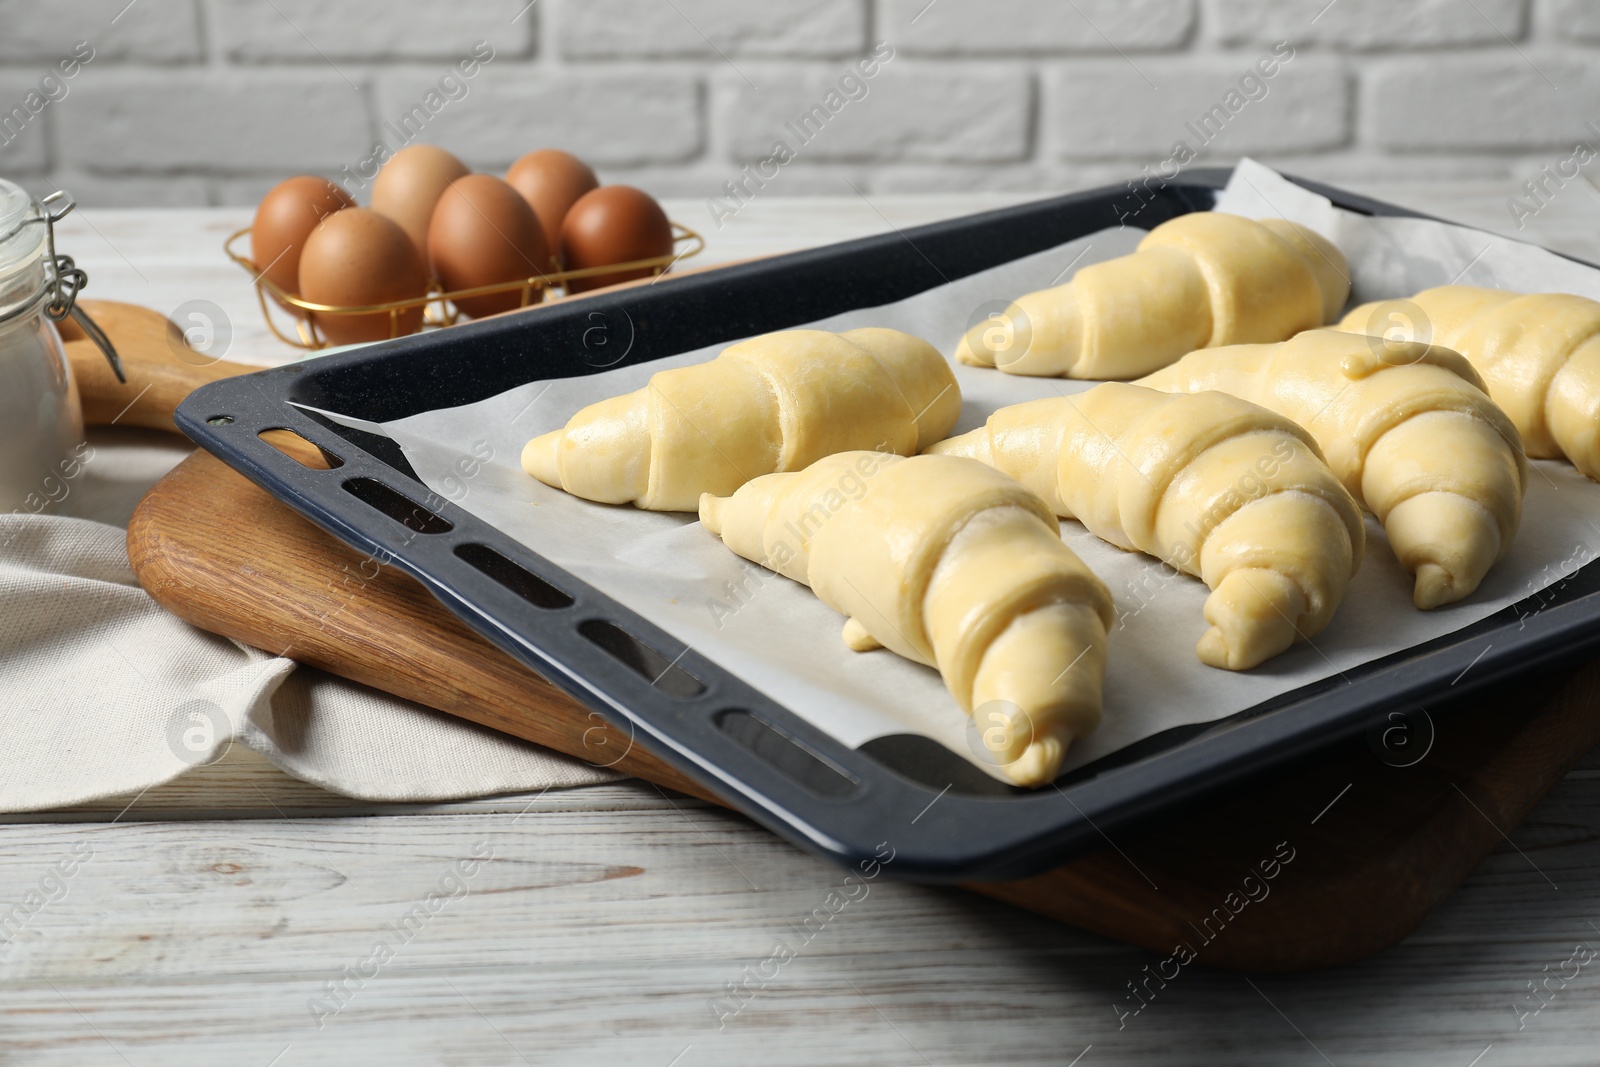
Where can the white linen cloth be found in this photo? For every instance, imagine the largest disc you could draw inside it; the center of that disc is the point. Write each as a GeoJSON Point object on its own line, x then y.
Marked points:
{"type": "Point", "coordinates": [104, 693]}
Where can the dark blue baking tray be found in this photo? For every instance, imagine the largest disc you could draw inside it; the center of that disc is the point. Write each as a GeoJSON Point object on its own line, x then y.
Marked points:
{"type": "Point", "coordinates": [944, 819]}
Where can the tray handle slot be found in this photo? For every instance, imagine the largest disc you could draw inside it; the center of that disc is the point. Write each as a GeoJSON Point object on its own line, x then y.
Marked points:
{"type": "Point", "coordinates": [308, 455]}
{"type": "Point", "coordinates": [521, 581]}
{"type": "Point", "coordinates": [641, 659]}
{"type": "Point", "coordinates": [786, 755]}
{"type": "Point", "coordinates": [397, 506]}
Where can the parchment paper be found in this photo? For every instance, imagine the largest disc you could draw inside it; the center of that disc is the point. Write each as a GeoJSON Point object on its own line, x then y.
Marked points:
{"type": "Point", "coordinates": [777, 636]}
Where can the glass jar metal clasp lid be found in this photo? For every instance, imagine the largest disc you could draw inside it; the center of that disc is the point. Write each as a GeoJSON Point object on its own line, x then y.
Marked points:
{"type": "Point", "coordinates": [63, 279]}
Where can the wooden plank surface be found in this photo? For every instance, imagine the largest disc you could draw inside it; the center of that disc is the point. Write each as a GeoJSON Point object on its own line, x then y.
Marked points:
{"type": "Point", "coordinates": [606, 935]}
{"type": "Point", "coordinates": [161, 953]}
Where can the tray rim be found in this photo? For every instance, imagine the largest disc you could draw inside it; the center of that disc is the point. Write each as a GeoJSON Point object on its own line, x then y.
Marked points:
{"type": "Point", "coordinates": [1059, 822]}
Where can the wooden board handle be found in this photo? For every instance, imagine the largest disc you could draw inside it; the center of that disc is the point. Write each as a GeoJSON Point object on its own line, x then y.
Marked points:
{"type": "Point", "coordinates": [161, 367]}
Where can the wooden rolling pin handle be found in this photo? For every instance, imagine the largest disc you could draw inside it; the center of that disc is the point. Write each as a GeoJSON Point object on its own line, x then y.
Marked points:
{"type": "Point", "coordinates": [160, 365]}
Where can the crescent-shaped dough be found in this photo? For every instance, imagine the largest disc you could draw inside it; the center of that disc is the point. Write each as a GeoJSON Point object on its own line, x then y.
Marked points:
{"type": "Point", "coordinates": [773, 403]}
{"type": "Point", "coordinates": [1539, 354]}
{"type": "Point", "coordinates": [1197, 281]}
{"type": "Point", "coordinates": [949, 563]}
{"type": "Point", "coordinates": [1214, 486]}
{"type": "Point", "coordinates": [1407, 428]}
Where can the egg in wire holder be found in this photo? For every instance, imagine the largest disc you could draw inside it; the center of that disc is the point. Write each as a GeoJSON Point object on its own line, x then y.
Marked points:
{"type": "Point", "coordinates": [438, 305]}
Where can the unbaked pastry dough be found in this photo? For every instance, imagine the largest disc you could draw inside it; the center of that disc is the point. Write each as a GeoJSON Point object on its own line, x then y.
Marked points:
{"type": "Point", "coordinates": [1197, 281]}
{"type": "Point", "coordinates": [1409, 430]}
{"type": "Point", "coordinates": [1539, 354]}
{"type": "Point", "coordinates": [772, 403]}
{"type": "Point", "coordinates": [1219, 488]}
{"type": "Point", "coordinates": [951, 564]}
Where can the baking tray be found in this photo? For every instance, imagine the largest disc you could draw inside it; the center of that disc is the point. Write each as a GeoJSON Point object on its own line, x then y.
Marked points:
{"type": "Point", "coordinates": [944, 819]}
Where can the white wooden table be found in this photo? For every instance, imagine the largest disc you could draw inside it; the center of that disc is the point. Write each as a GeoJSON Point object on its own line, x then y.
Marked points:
{"type": "Point", "coordinates": [231, 917]}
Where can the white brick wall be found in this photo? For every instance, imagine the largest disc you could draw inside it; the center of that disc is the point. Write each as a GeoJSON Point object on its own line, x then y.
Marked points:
{"type": "Point", "coordinates": [701, 29]}
{"type": "Point", "coordinates": [1375, 25]}
{"type": "Point", "coordinates": [929, 112]}
{"type": "Point", "coordinates": [211, 101]}
{"type": "Point", "coordinates": [1029, 27]}
{"type": "Point", "coordinates": [611, 116]}
{"type": "Point", "coordinates": [1107, 109]}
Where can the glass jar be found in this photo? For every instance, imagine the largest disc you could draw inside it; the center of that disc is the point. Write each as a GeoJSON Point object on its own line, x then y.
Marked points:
{"type": "Point", "coordinates": [41, 422]}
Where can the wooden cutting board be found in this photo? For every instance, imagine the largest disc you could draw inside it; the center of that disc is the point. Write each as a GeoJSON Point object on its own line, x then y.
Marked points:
{"type": "Point", "coordinates": [1361, 842]}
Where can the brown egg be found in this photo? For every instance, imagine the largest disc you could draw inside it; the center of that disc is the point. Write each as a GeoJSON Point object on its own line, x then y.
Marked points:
{"type": "Point", "coordinates": [483, 232]}
{"type": "Point", "coordinates": [551, 181]}
{"type": "Point", "coordinates": [284, 218]}
{"type": "Point", "coordinates": [613, 224]}
{"type": "Point", "coordinates": [410, 184]}
{"type": "Point", "coordinates": [360, 257]}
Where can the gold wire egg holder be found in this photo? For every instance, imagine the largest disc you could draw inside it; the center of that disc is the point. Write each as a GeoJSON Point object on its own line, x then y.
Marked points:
{"type": "Point", "coordinates": [438, 305]}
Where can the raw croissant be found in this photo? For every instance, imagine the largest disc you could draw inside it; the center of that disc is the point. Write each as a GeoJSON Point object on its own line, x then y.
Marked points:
{"type": "Point", "coordinates": [1197, 281]}
{"type": "Point", "coordinates": [1539, 354]}
{"type": "Point", "coordinates": [772, 403]}
{"type": "Point", "coordinates": [949, 563]}
{"type": "Point", "coordinates": [1407, 428]}
{"type": "Point", "coordinates": [1218, 488]}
